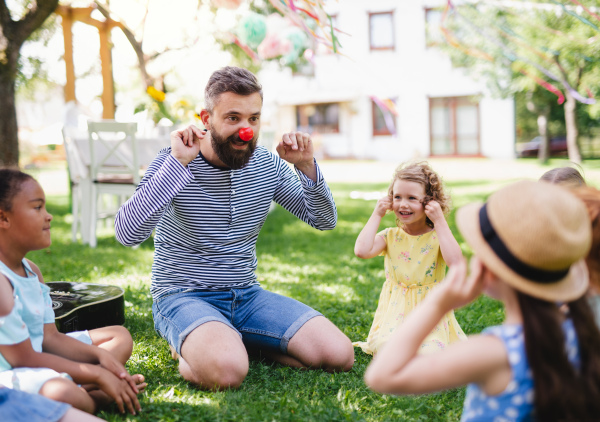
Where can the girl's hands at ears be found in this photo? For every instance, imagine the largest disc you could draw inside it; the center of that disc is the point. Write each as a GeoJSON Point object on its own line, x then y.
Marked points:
{"type": "Point", "coordinates": [433, 210]}
{"type": "Point", "coordinates": [383, 205]}
{"type": "Point", "coordinates": [457, 289]}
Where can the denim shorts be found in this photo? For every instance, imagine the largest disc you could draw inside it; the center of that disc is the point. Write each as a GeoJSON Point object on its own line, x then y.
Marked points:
{"type": "Point", "coordinates": [17, 406]}
{"type": "Point", "coordinates": [264, 320]}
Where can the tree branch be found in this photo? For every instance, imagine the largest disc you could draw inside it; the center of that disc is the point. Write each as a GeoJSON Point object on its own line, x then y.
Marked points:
{"type": "Point", "coordinates": [34, 18]}
{"type": "Point", "coordinates": [135, 44]}
{"type": "Point", "coordinates": [5, 18]}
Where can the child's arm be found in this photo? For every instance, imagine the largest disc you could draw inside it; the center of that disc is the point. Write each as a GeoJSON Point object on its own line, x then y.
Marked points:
{"type": "Point", "coordinates": [23, 355]}
{"type": "Point", "coordinates": [6, 296]}
{"type": "Point", "coordinates": [449, 247]}
{"type": "Point", "coordinates": [69, 348]}
{"type": "Point", "coordinates": [397, 369]}
{"type": "Point", "coordinates": [368, 244]}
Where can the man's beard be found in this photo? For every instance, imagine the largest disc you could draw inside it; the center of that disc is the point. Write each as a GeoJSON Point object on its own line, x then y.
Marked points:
{"type": "Point", "coordinates": [231, 157]}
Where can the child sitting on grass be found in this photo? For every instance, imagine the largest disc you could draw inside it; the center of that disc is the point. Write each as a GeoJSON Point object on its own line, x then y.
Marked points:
{"type": "Point", "coordinates": [416, 252]}
{"type": "Point", "coordinates": [543, 363]}
{"type": "Point", "coordinates": [34, 356]}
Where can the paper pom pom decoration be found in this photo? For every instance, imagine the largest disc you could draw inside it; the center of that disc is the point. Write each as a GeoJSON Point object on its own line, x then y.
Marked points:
{"type": "Point", "coordinates": [252, 29]}
{"type": "Point", "coordinates": [227, 4]}
{"type": "Point", "coordinates": [274, 46]}
{"type": "Point", "coordinates": [299, 41]}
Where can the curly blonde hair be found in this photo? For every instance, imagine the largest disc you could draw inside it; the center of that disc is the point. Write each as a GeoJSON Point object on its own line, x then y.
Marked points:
{"type": "Point", "coordinates": [422, 173]}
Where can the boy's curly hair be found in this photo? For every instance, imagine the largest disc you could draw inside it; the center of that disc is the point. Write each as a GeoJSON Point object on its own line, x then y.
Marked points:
{"type": "Point", "coordinates": [422, 173]}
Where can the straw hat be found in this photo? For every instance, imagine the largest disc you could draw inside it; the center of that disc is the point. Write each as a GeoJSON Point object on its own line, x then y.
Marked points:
{"type": "Point", "coordinates": [534, 236]}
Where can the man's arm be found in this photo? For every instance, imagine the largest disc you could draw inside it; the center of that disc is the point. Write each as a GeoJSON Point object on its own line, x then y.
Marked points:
{"type": "Point", "coordinates": [309, 198]}
{"type": "Point", "coordinates": [166, 176]}
{"type": "Point", "coordinates": [309, 201]}
{"type": "Point", "coordinates": [137, 218]}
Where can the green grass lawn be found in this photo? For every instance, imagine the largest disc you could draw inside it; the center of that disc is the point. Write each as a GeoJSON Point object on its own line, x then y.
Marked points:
{"type": "Point", "coordinates": [317, 268]}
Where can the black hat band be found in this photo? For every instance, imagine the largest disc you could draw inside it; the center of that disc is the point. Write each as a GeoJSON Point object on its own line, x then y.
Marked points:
{"type": "Point", "coordinates": [518, 266]}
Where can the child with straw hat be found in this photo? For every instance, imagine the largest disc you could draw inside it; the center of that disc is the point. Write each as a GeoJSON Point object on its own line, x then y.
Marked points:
{"type": "Point", "coordinates": [543, 363]}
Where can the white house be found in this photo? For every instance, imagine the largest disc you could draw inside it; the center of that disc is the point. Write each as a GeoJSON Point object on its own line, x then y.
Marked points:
{"type": "Point", "coordinates": [390, 96]}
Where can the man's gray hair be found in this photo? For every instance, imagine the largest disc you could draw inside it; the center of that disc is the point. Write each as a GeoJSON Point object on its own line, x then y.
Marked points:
{"type": "Point", "coordinates": [230, 79]}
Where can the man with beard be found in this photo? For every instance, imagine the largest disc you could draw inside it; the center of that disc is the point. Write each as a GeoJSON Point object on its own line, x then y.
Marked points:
{"type": "Point", "coordinates": [208, 196]}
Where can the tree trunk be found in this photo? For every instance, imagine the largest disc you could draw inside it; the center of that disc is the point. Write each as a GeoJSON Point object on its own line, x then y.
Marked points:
{"type": "Point", "coordinates": [572, 131]}
{"type": "Point", "coordinates": [12, 36]}
{"type": "Point", "coordinates": [9, 132]}
{"type": "Point", "coordinates": [544, 151]}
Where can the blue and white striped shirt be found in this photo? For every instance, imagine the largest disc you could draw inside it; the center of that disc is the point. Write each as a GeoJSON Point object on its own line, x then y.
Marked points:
{"type": "Point", "coordinates": [208, 218]}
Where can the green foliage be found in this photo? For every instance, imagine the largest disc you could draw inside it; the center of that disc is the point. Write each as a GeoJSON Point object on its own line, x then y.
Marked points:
{"type": "Point", "coordinates": [318, 268]}
{"type": "Point", "coordinates": [510, 45]}
{"type": "Point", "coordinates": [32, 74]}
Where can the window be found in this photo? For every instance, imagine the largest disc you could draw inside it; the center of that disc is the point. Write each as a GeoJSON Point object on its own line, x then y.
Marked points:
{"type": "Point", "coordinates": [454, 126]}
{"type": "Point", "coordinates": [381, 31]}
{"type": "Point", "coordinates": [318, 118]}
{"type": "Point", "coordinates": [384, 116]}
{"type": "Point", "coordinates": [433, 20]}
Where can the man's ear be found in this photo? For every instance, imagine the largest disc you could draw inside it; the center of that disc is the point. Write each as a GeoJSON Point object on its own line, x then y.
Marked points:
{"type": "Point", "coordinates": [205, 116]}
{"type": "Point", "coordinates": [4, 220]}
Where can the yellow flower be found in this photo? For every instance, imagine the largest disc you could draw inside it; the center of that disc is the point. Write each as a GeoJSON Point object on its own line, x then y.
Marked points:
{"type": "Point", "coordinates": [156, 94]}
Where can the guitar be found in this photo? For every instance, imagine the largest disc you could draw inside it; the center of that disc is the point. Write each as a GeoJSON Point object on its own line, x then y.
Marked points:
{"type": "Point", "coordinates": [85, 306]}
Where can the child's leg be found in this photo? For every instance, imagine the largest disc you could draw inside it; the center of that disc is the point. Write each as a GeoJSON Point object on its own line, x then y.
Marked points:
{"type": "Point", "coordinates": [76, 415]}
{"type": "Point", "coordinates": [66, 391]}
{"type": "Point", "coordinates": [115, 339]}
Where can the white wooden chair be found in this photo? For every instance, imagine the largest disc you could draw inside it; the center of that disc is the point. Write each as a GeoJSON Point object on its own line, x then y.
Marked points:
{"type": "Point", "coordinates": [114, 167]}
{"type": "Point", "coordinates": [80, 186]}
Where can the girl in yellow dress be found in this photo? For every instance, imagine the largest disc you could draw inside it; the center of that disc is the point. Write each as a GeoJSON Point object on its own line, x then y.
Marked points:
{"type": "Point", "coordinates": [416, 253]}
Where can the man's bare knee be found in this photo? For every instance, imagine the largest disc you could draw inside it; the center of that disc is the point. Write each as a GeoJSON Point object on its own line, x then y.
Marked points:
{"type": "Point", "coordinates": [339, 357]}
{"type": "Point", "coordinates": [218, 374]}
{"type": "Point", "coordinates": [214, 357]}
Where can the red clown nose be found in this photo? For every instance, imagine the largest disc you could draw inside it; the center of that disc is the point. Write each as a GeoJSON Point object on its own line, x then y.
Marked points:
{"type": "Point", "coordinates": [246, 134]}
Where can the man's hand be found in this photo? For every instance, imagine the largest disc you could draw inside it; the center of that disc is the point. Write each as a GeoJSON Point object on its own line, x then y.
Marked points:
{"type": "Point", "coordinates": [185, 143]}
{"type": "Point", "coordinates": [297, 148]}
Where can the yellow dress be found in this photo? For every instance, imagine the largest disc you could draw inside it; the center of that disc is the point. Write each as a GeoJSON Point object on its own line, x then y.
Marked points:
{"type": "Point", "coordinates": [413, 266]}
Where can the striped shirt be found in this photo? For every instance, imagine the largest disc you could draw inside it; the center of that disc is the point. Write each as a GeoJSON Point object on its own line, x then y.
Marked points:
{"type": "Point", "coordinates": [208, 218]}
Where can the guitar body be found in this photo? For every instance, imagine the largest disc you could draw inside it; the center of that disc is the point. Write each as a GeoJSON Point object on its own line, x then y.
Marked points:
{"type": "Point", "coordinates": [85, 306]}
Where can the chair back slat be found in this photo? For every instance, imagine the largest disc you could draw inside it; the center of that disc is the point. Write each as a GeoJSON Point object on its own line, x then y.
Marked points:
{"type": "Point", "coordinates": [113, 149]}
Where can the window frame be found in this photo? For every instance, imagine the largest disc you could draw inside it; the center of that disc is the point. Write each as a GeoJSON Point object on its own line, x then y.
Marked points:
{"type": "Point", "coordinates": [393, 39]}
{"type": "Point", "coordinates": [452, 103]}
{"type": "Point", "coordinates": [302, 117]}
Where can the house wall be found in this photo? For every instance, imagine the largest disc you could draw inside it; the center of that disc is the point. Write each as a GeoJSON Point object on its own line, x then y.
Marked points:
{"type": "Point", "coordinates": [411, 73]}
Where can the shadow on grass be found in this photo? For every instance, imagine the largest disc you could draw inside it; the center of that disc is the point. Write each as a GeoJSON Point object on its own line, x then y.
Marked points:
{"type": "Point", "coordinates": [318, 268]}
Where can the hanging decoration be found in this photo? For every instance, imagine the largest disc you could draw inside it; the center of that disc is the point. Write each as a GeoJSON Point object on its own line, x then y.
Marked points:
{"type": "Point", "coordinates": [388, 109]}
{"type": "Point", "coordinates": [575, 15]}
{"type": "Point", "coordinates": [298, 26]}
{"type": "Point", "coordinates": [227, 4]}
{"type": "Point", "coordinates": [512, 56]}
{"type": "Point", "coordinates": [586, 9]}
{"type": "Point", "coordinates": [252, 29]}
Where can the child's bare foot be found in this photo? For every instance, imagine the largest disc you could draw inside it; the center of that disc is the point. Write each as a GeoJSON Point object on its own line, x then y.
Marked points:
{"type": "Point", "coordinates": [101, 399]}
{"type": "Point", "coordinates": [139, 382]}
{"type": "Point", "coordinates": [174, 353]}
